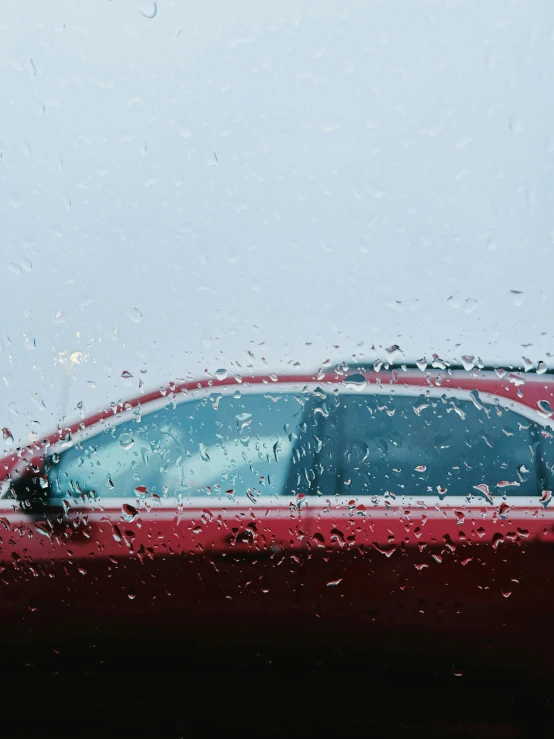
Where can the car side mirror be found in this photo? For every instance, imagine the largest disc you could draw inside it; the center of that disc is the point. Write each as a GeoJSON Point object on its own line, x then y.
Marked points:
{"type": "Point", "coordinates": [32, 493]}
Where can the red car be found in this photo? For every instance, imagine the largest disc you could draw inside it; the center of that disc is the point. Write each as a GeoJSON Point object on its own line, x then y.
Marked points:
{"type": "Point", "coordinates": [356, 505]}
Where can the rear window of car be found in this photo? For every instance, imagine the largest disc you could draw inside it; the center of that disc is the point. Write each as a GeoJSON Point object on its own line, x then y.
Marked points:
{"type": "Point", "coordinates": [402, 445]}
{"type": "Point", "coordinates": [240, 446]}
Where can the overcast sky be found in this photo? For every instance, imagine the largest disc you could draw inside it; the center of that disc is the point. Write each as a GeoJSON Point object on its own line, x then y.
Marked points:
{"type": "Point", "coordinates": [299, 180]}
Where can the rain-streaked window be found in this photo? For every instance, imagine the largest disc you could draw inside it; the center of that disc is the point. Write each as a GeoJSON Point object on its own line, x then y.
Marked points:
{"type": "Point", "coordinates": [442, 446]}
{"type": "Point", "coordinates": [216, 446]}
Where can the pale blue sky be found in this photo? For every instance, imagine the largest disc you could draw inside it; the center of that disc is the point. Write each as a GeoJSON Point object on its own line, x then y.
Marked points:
{"type": "Point", "coordinates": [311, 175]}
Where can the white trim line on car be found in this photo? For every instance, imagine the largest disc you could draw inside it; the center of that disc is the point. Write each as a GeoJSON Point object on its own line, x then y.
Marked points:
{"type": "Point", "coordinates": [300, 390]}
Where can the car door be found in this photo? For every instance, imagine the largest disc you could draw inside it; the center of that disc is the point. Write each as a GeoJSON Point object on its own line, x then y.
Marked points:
{"type": "Point", "coordinates": [187, 511]}
{"type": "Point", "coordinates": [432, 518]}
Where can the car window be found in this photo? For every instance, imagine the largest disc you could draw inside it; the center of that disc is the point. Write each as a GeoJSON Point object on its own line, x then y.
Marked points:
{"type": "Point", "coordinates": [447, 446]}
{"type": "Point", "coordinates": [220, 446]}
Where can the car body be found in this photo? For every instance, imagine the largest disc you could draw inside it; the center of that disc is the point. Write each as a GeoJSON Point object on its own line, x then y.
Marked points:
{"type": "Point", "coordinates": [356, 504]}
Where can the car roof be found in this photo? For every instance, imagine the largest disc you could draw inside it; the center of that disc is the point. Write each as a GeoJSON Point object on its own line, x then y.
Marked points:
{"type": "Point", "coordinates": [522, 385]}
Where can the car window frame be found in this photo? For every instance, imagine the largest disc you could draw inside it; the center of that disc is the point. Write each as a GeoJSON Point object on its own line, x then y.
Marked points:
{"type": "Point", "coordinates": [487, 398]}
{"type": "Point", "coordinates": [298, 390]}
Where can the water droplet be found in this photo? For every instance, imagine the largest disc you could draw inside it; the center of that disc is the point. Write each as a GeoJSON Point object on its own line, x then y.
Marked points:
{"type": "Point", "coordinates": [251, 495]}
{"type": "Point", "coordinates": [515, 379]}
{"type": "Point", "coordinates": [541, 368]}
{"type": "Point", "coordinates": [126, 440]}
{"type": "Point", "coordinates": [43, 529]}
{"type": "Point", "coordinates": [356, 381]}
{"type": "Point", "coordinates": [334, 583]}
{"type": "Point", "coordinates": [485, 492]}
{"type": "Point", "coordinates": [517, 297]}
{"type": "Point", "coordinates": [468, 362]}
{"type": "Point", "coordinates": [243, 420]}
{"type": "Point", "coordinates": [150, 13]}
{"type": "Point", "coordinates": [141, 491]}
{"type": "Point", "coordinates": [420, 468]}
{"type": "Point", "coordinates": [15, 268]}
{"type": "Point", "coordinates": [383, 550]}
{"type": "Point", "coordinates": [422, 566]}
{"type": "Point", "coordinates": [215, 398]}
{"type": "Point", "coordinates": [544, 409]}
{"type": "Point", "coordinates": [376, 191]}
{"type": "Point", "coordinates": [506, 484]}
{"type": "Point", "coordinates": [221, 374]}
{"type": "Point", "coordinates": [470, 304]}
{"type": "Point", "coordinates": [276, 450]}
{"type": "Point", "coordinates": [7, 435]}
{"type": "Point", "coordinates": [476, 400]}
{"type": "Point", "coordinates": [134, 314]}
{"type": "Point", "coordinates": [126, 374]}
{"type": "Point", "coordinates": [129, 512]}
{"type": "Point", "coordinates": [455, 301]}
{"type": "Point", "coordinates": [515, 125]}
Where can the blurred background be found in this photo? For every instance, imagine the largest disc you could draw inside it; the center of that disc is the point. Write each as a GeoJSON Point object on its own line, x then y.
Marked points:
{"type": "Point", "coordinates": [187, 187]}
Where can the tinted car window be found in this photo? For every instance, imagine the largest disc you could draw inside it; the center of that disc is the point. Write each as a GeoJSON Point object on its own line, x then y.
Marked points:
{"type": "Point", "coordinates": [418, 446]}
{"type": "Point", "coordinates": [233, 446]}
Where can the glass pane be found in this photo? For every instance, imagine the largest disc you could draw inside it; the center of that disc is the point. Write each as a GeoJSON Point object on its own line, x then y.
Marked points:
{"type": "Point", "coordinates": [418, 446]}
{"type": "Point", "coordinates": [228, 446]}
